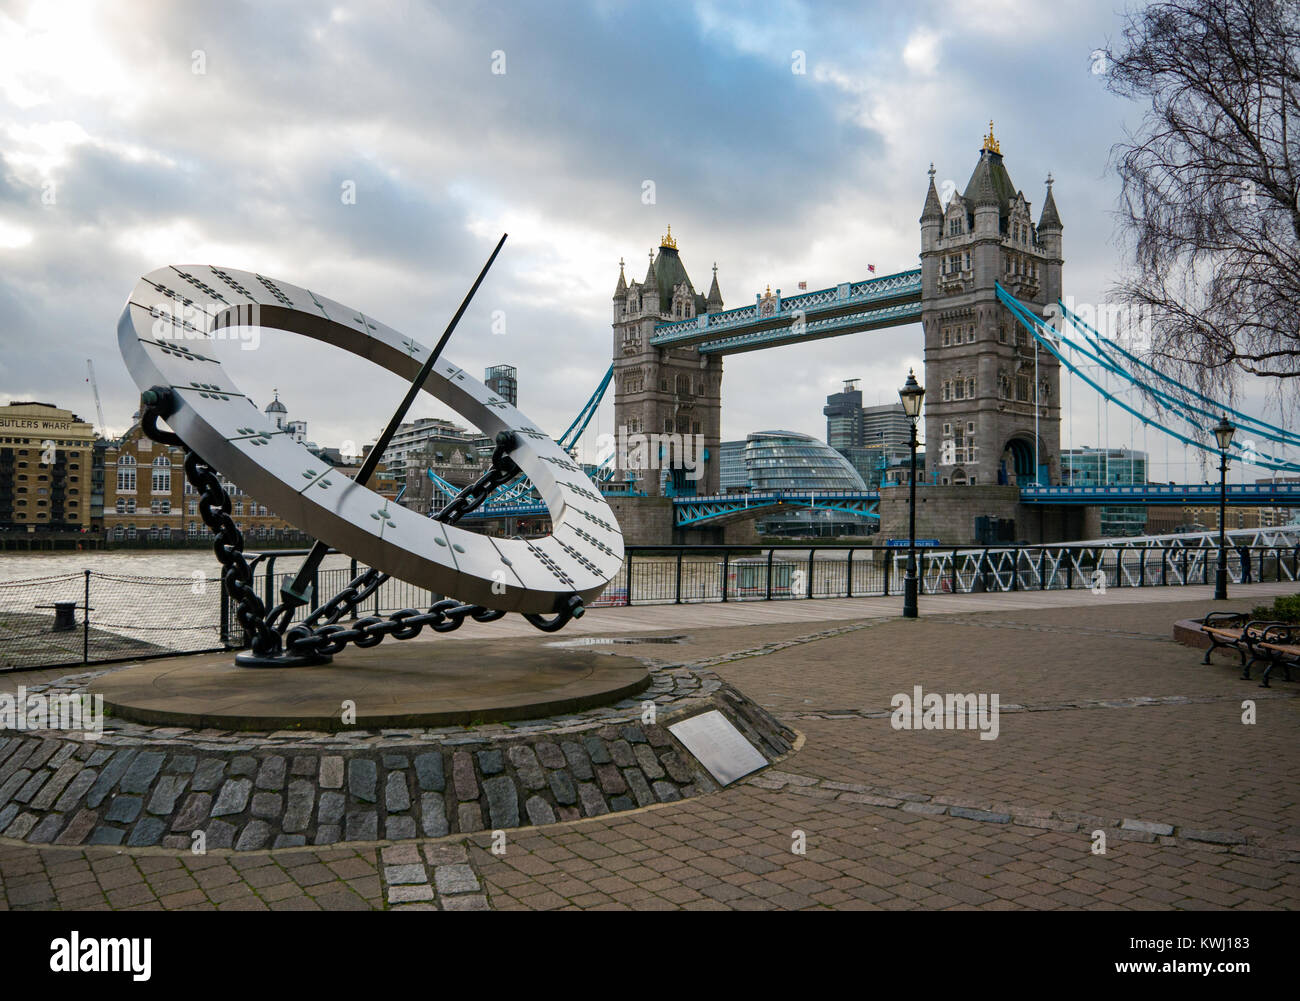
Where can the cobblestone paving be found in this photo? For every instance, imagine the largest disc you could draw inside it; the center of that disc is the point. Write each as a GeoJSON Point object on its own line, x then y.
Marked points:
{"type": "Point", "coordinates": [1112, 728]}
{"type": "Point", "coordinates": [177, 788]}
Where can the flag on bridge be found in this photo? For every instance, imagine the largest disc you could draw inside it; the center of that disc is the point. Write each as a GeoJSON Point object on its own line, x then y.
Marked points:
{"type": "Point", "coordinates": [871, 268]}
{"type": "Point", "coordinates": [803, 286]}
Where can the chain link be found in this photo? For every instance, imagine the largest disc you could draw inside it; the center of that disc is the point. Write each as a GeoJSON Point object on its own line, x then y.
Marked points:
{"type": "Point", "coordinates": [320, 634]}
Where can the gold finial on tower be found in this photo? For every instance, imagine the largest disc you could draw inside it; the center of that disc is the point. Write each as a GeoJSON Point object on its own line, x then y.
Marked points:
{"type": "Point", "coordinates": [668, 240]}
{"type": "Point", "coordinates": [990, 143]}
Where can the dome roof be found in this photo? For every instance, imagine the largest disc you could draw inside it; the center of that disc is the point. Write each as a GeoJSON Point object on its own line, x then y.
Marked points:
{"type": "Point", "coordinates": [789, 460]}
{"type": "Point", "coordinates": [275, 406]}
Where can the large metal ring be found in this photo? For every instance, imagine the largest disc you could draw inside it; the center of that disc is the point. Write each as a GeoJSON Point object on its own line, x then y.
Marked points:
{"type": "Point", "coordinates": [165, 335]}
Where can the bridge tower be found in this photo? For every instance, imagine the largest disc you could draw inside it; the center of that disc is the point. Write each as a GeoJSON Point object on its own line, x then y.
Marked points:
{"type": "Point", "coordinates": [983, 372]}
{"type": "Point", "coordinates": [665, 391]}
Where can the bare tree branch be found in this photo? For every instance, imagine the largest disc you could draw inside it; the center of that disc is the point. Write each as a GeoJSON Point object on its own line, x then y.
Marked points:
{"type": "Point", "coordinates": [1210, 199]}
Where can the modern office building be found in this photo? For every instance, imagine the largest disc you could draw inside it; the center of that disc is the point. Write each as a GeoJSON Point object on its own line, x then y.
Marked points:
{"type": "Point", "coordinates": [46, 458]}
{"type": "Point", "coordinates": [870, 438]}
{"type": "Point", "coordinates": [886, 426]}
{"type": "Point", "coordinates": [430, 441]}
{"type": "Point", "coordinates": [733, 478]}
{"type": "Point", "coordinates": [504, 381]}
{"type": "Point", "coordinates": [843, 412]}
{"type": "Point", "coordinates": [1109, 467]}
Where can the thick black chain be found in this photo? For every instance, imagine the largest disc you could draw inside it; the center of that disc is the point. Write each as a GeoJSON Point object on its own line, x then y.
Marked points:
{"type": "Point", "coordinates": [228, 544]}
{"type": "Point", "coordinates": [320, 633]}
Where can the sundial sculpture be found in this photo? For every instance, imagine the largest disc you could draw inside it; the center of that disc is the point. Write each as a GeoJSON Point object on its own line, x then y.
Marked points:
{"type": "Point", "coordinates": [171, 316]}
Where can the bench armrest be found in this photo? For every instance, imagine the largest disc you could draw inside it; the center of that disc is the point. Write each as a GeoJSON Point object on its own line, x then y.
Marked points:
{"type": "Point", "coordinates": [1225, 620]}
{"type": "Point", "coordinates": [1281, 633]}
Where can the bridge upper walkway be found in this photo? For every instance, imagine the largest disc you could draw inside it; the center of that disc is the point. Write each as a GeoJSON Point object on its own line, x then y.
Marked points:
{"type": "Point", "coordinates": [892, 300]}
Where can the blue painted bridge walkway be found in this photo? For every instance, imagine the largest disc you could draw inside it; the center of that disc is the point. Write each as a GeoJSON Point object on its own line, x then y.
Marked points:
{"type": "Point", "coordinates": [720, 509]}
{"type": "Point", "coordinates": [850, 307]}
{"type": "Point", "coordinates": [1149, 494]}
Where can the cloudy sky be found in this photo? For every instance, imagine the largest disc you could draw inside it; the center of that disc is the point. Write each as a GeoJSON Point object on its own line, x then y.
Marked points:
{"type": "Point", "coordinates": [138, 134]}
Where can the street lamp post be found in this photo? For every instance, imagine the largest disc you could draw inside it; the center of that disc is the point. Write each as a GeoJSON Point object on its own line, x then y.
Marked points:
{"type": "Point", "coordinates": [911, 394]}
{"type": "Point", "coordinates": [1223, 432]}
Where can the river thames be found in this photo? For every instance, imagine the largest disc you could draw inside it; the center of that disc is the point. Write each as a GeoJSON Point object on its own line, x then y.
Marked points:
{"type": "Point", "coordinates": [178, 563]}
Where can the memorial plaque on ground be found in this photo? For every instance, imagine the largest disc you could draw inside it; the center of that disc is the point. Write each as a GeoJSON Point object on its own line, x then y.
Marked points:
{"type": "Point", "coordinates": [719, 746]}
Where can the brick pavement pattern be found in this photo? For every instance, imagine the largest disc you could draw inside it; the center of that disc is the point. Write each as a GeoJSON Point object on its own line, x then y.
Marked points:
{"type": "Point", "coordinates": [1107, 725]}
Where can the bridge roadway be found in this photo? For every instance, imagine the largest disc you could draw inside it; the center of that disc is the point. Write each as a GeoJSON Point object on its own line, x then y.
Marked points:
{"type": "Point", "coordinates": [718, 509]}
{"type": "Point", "coordinates": [1151, 494]}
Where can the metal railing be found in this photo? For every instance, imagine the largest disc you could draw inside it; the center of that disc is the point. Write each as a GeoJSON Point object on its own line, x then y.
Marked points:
{"type": "Point", "coordinates": [92, 617]}
{"type": "Point", "coordinates": [686, 574]}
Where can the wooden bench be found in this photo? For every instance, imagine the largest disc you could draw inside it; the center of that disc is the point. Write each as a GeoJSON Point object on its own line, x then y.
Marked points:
{"type": "Point", "coordinates": [1228, 630]}
{"type": "Point", "coordinates": [1279, 643]}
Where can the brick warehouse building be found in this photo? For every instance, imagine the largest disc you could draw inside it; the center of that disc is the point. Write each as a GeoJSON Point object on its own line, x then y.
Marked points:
{"type": "Point", "coordinates": [146, 497]}
{"type": "Point", "coordinates": [45, 469]}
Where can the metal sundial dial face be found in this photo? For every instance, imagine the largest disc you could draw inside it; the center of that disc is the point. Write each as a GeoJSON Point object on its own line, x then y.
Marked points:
{"type": "Point", "coordinates": [165, 335]}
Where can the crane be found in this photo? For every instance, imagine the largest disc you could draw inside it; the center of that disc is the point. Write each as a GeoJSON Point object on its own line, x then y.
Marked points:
{"type": "Point", "coordinates": [99, 407]}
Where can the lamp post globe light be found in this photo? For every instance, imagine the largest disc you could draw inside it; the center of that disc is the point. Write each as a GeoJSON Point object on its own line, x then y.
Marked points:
{"type": "Point", "coordinates": [911, 394]}
{"type": "Point", "coordinates": [1223, 432]}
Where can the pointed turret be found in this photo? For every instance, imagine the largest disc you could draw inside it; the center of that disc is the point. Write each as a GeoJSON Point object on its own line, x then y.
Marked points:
{"type": "Point", "coordinates": [1050, 219]}
{"type": "Point", "coordinates": [933, 208]}
{"type": "Point", "coordinates": [651, 282]}
{"type": "Point", "coordinates": [714, 300]}
{"type": "Point", "coordinates": [620, 290]}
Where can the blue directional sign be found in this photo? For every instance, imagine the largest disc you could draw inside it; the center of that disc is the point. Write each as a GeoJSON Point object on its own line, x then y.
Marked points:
{"type": "Point", "coordinates": [903, 543]}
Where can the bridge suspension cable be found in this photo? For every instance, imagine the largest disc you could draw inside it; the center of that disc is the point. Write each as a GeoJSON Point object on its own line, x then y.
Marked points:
{"type": "Point", "coordinates": [1261, 427]}
{"type": "Point", "coordinates": [1047, 336]}
{"type": "Point", "coordinates": [520, 486]}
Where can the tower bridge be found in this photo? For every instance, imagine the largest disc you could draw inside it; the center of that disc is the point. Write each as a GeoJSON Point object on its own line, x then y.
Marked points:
{"type": "Point", "coordinates": [989, 276]}
{"type": "Point", "coordinates": [992, 414]}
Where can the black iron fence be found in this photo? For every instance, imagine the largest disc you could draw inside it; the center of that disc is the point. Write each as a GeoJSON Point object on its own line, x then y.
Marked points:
{"type": "Point", "coordinates": [93, 617]}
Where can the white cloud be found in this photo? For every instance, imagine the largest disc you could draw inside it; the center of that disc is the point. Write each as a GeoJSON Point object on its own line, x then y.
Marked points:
{"type": "Point", "coordinates": [13, 237]}
{"type": "Point", "coordinates": [921, 53]}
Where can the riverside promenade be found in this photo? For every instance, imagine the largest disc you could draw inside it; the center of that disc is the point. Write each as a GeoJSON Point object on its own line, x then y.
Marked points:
{"type": "Point", "coordinates": [1105, 725]}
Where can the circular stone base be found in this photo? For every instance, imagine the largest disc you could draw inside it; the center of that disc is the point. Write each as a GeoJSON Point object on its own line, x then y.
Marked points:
{"type": "Point", "coordinates": [393, 685]}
